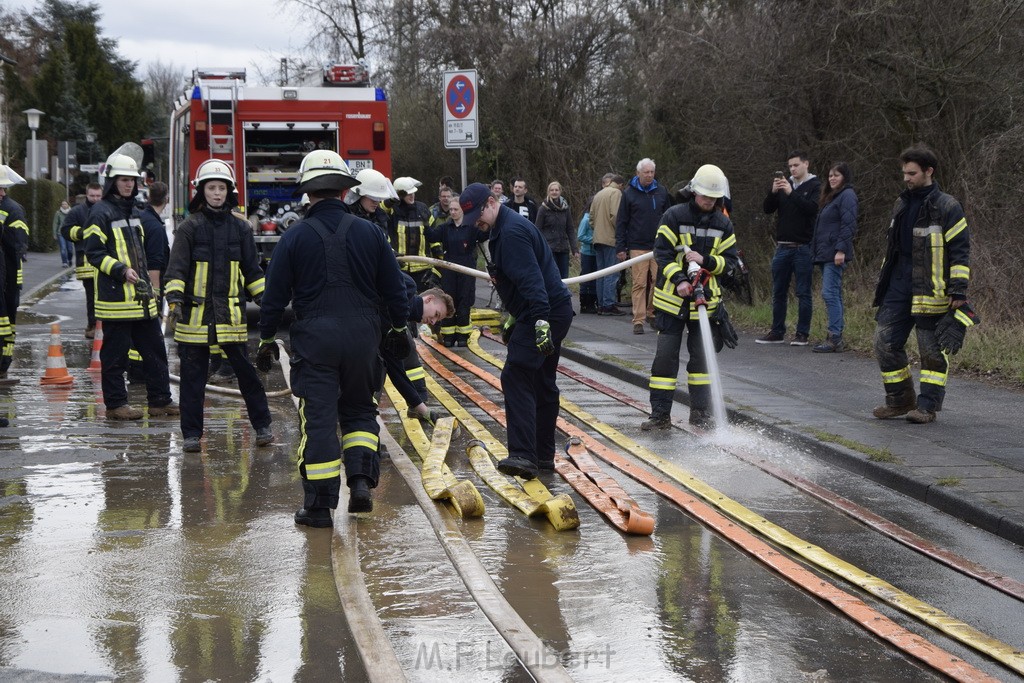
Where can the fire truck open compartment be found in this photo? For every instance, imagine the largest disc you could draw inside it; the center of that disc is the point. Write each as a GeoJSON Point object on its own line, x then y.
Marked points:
{"type": "Point", "coordinates": [263, 133]}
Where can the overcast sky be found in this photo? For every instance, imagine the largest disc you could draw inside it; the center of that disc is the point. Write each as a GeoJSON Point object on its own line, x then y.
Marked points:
{"type": "Point", "coordinates": [190, 33]}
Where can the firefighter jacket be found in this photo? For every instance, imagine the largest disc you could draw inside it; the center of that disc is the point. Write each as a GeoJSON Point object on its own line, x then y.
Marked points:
{"type": "Point", "coordinates": [73, 230]}
{"type": "Point", "coordinates": [13, 239]}
{"type": "Point", "coordinates": [214, 266]}
{"type": "Point", "coordinates": [412, 232]}
{"type": "Point", "coordinates": [115, 242]}
{"type": "Point", "coordinates": [460, 243]}
{"type": "Point", "coordinates": [523, 269]}
{"type": "Point", "coordinates": [940, 253]}
{"type": "Point", "coordinates": [711, 235]}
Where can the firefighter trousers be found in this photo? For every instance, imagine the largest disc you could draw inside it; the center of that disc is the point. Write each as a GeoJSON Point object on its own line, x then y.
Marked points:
{"type": "Point", "coordinates": [334, 374]}
{"type": "Point", "coordinates": [462, 289]}
{"type": "Point", "coordinates": [665, 368]}
{"type": "Point", "coordinates": [894, 325]}
{"type": "Point", "coordinates": [146, 336]}
{"type": "Point", "coordinates": [531, 394]}
{"type": "Point", "coordinates": [12, 299]}
{"type": "Point", "coordinates": [195, 359]}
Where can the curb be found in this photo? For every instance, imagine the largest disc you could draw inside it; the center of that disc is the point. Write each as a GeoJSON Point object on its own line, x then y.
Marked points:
{"type": "Point", "coordinates": [29, 297]}
{"type": "Point", "coordinates": [962, 506]}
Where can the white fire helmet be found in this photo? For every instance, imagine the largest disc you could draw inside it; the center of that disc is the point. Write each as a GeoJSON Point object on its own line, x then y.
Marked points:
{"type": "Point", "coordinates": [323, 169]}
{"type": "Point", "coordinates": [9, 177]}
{"type": "Point", "coordinates": [375, 185]}
{"type": "Point", "coordinates": [710, 182]}
{"type": "Point", "coordinates": [407, 185]}
{"type": "Point", "coordinates": [121, 165]}
{"type": "Point", "coordinates": [214, 169]}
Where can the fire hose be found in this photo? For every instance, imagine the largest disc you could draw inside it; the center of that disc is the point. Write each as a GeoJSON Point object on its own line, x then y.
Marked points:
{"type": "Point", "coordinates": [597, 274]}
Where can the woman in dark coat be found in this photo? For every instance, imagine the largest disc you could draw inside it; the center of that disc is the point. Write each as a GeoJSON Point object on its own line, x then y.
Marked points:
{"type": "Point", "coordinates": [832, 248]}
{"type": "Point", "coordinates": [554, 220]}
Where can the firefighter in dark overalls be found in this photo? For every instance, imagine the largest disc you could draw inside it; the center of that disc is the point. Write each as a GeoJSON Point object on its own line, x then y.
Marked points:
{"type": "Point", "coordinates": [407, 374]}
{"type": "Point", "coordinates": [460, 241]}
{"type": "Point", "coordinates": [334, 269]}
{"type": "Point", "coordinates": [213, 266]}
{"type": "Point", "coordinates": [125, 300]}
{"type": "Point", "coordinates": [527, 279]}
{"type": "Point", "coordinates": [13, 245]}
{"type": "Point", "coordinates": [412, 232]}
{"type": "Point", "coordinates": [73, 230]}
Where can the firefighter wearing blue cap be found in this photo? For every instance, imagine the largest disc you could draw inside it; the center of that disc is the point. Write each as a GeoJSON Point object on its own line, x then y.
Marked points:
{"type": "Point", "coordinates": [335, 270]}
{"type": "Point", "coordinates": [540, 313]}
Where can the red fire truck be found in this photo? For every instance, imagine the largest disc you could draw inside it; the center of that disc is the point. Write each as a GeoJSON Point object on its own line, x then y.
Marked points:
{"type": "Point", "coordinates": [263, 132]}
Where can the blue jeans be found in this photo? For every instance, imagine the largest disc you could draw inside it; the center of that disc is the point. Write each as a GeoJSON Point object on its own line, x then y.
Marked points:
{"type": "Point", "coordinates": [605, 255]}
{"type": "Point", "coordinates": [790, 261]}
{"type": "Point", "coordinates": [67, 250]}
{"type": "Point", "coordinates": [562, 261]}
{"type": "Point", "coordinates": [832, 294]}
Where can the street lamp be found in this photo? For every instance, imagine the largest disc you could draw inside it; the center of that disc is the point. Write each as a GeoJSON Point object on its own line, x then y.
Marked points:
{"type": "Point", "coordinates": [33, 125]}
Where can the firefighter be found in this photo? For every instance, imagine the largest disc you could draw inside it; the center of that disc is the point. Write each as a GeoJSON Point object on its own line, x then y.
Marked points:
{"type": "Point", "coordinates": [407, 374]}
{"type": "Point", "coordinates": [922, 285]}
{"type": "Point", "coordinates": [213, 265]}
{"type": "Point", "coordinates": [460, 240]}
{"type": "Point", "coordinates": [13, 244]}
{"type": "Point", "coordinates": [157, 252]}
{"type": "Point", "coordinates": [540, 308]}
{"type": "Point", "coordinates": [73, 230]}
{"type": "Point", "coordinates": [334, 269]}
{"type": "Point", "coordinates": [412, 232]}
{"type": "Point", "coordinates": [697, 231]}
{"type": "Point", "coordinates": [125, 302]}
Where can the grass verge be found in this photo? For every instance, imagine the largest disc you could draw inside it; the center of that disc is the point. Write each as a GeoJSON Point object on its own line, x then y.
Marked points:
{"type": "Point", "coordinates": [874, 454]}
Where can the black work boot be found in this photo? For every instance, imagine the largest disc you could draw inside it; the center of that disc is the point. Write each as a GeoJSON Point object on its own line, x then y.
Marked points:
{"type": "Point", "coordinates": [518, 467]}
{"type": "Point", "coordinates": [319, 518]}
{"type": "Point", "coordinates": [656, 421]}
{"type": "Point", "coordinates": [702, 418]}
{"type": "Point", "coordinates": [897, 403]}
{"type": "Point", "coordinates": [359, 499]}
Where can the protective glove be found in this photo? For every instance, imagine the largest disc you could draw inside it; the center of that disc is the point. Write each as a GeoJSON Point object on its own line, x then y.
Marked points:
{"type": "Point", "coordinates": [173, 313]}
{"type": "Point", "coordinates": [398, 342]}
{"type": "Point", "coordinates": [951, 329]}
{"type": "Point", "coordinates": [507, 326]}
{"type": "Point", "coordinates": [267, 354]}
{"type": "Point", "coordinates": [722, 330]}
{"type": "Point", "coordinates": [542, 335]}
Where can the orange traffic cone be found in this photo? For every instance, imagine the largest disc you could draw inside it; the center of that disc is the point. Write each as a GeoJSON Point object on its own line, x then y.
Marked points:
{"type": "Point", "coordinates": [56, 369]}
{"type": "Point", "coordinates": [97, 344]}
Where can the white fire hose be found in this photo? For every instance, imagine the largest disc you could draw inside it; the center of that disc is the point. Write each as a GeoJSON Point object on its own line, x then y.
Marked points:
{"type": "Point", "coordinates": [569, 281]}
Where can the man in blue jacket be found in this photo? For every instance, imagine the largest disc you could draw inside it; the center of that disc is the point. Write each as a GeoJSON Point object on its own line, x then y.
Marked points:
{"type": "Point", "coordinates": [540, 308]}
{"type": "Point", "coordinates": [644, 202]}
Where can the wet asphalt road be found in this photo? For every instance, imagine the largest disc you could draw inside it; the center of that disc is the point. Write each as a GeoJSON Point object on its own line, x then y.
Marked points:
{"type": "Point", "coordinates": [124, 558]}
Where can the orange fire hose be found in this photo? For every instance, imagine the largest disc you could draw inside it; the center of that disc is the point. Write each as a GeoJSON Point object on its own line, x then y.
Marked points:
{"type": "Point", "coordinates": [853, 607]}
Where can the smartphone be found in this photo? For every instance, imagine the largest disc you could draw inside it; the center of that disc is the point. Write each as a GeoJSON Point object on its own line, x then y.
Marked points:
{"type": "Point", "coordinates": [780, 175]}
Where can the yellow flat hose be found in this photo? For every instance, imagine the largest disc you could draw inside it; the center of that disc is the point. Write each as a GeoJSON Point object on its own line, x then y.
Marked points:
{"type": "Point", "coordinates": [596, 487]}
{"type": "Point", "coordinates": [819, 557]}
{"type": "Point", "coordinates": [463, 496]}
{"type": "Point", "coordinates": [440, 481]}
{"type": "Point", "coordinates": [533, 498]}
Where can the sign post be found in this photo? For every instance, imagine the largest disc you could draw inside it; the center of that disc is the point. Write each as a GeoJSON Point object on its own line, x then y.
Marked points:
{"type": "Point", "coordinates": [461, 126]}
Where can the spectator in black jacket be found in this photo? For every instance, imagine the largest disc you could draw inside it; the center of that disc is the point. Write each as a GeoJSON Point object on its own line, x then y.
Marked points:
{"type": "Point", "coordinates": [796, 201]}
{"type": "Point", "coordinates": [522, 203]}
{"type": "Point", "coordinates": [644, 201]}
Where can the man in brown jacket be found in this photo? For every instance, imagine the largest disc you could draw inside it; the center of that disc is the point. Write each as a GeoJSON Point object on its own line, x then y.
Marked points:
{"type": "Point", "coordinates": [603, 211]}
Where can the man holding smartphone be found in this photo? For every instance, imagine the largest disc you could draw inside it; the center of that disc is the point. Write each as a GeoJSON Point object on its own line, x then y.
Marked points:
{"type": "Point", "coordinates": [796, 201]}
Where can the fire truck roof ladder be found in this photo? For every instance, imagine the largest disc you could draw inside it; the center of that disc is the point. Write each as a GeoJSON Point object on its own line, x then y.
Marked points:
{"type": "Point", "coordinates": [222, 98]}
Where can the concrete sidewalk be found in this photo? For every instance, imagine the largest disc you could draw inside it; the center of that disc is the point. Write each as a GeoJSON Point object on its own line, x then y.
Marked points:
{"type": "Point", "coordinates": [974, 448]}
